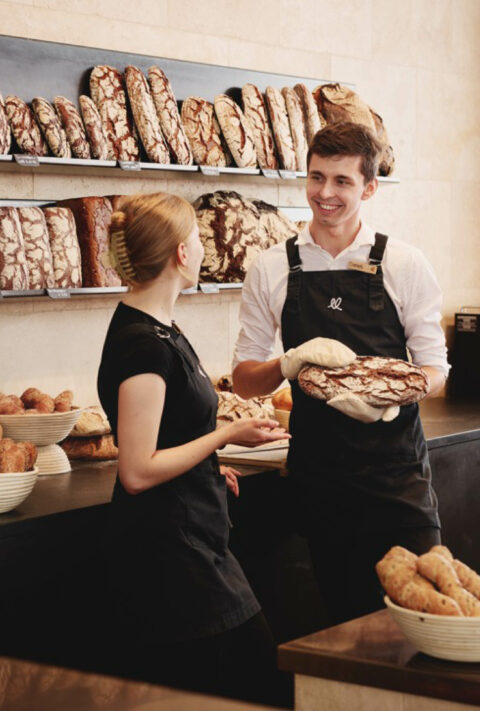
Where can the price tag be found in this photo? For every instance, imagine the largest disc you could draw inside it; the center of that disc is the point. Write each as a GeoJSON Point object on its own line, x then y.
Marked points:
{"type": "Point", "coordinates": [26, 160]}
{"type": "Point", "coordinates": [129, 164]}
{"type": "Point", "coordinates": [210, 170]}
{"type": "Point", "coordinates": [270, 173]}
{"type": "Point", "coordinates": [209, 289]}
{"type": "Point", "coordinates": [288, 174]}
{"type": "Point", "coordinates": [58, 293]}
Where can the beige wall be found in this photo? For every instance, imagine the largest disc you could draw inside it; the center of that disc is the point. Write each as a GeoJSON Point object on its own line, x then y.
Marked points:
{"type": "Point", "coordinates": [416, 61]}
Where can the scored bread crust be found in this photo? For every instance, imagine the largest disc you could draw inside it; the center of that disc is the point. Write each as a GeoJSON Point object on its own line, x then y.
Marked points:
{"type": "Point", "coordinates": [169, 117]}
{"type": "Point", "coordinates": [73, 126]}
{"type": "Point", "coordinates": [378, 381]}
{"type": "Point", "coordinates": [52, 128]}
{"type": "Point", "coordinates": [236, 131]}
{"type": "Point", "coordinates": [203, 132]}
{"type": "Point", "coordinates": [145, 116]}
{"type": "Point", "coordinates": [281, 127]}
{"type": "Point", "coordinates": [297, 126]}
{"type": "Point", "coordinates": [255, 112]}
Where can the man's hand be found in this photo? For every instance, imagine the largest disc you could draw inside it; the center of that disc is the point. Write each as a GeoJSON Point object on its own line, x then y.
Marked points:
{"type": "Point", "coordinates": [319, 351]}
{"type": "Point", "coordinates": [353, 406]}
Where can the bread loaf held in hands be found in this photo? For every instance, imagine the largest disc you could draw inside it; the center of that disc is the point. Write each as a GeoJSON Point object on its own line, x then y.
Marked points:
{"type": "Point", "coordinates": [378, 381]}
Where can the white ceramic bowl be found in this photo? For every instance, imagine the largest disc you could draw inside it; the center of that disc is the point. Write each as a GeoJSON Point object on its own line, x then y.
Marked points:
{"type": "Point", "coordinates": [283, 417]}
{"type": "Point", "coordinates": [39, 429]}
{"type": "Point", "coordinates": [15, 487]}
{"type": "Point", "coordinates": [441, 636]}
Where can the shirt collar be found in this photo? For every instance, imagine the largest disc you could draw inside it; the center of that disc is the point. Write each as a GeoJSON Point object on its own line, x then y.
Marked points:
{"type": "Point", "coordinates": [365, 236]}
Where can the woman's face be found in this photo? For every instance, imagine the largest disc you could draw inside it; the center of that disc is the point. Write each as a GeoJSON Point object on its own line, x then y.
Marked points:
{"type": "Point", "coordinates": [195, 252]}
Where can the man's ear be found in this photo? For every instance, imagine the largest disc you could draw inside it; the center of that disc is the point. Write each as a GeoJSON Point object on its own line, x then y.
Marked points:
{"type": "Point", "coordinates": [370, 189]}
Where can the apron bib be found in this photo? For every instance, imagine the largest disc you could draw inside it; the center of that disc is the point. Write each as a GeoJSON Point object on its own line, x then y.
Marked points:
{"type": "Point", "coordinates": [376, 474]}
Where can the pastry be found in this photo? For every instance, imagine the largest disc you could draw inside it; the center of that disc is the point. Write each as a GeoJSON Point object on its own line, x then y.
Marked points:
{"type": "Point", "coordinates": [64, 401]}
{"type": "Point", "coordinates": [338, 103]}
{"type": "Point", "coordinates": [67, 264]}
{"type": "Point", "coordinates": [92, 218]}
{"type": "Point", "coordinates": [236, 131]}
{"type": "Point", "coordinates": [9, 405]}
{"type": "Point", "coordinates": [16, 456]}
{"type": "Point", "coordinates": [314, 121]}
{"type": "Point", "coordinates": [378, 381]}
{"type": "Point", "coordinates": [107, 90]}
{"type": "Point", "coordinates": [13, 263]}
{"type": "Point", "coordinates": [281, 128]}
{"type": "Point", "coordinates": [73, 126]}
{"type": "Point", "coordinates": [169, 117]}
{"type": "Point", "coordinates": [52, 129]}
{"type": "Point", "coordinates": [255, 113]}
{"type": "Point", "coordinates": [145, 116]}
{"type": "Point", "coordinates": [203, 132]}
{"type": "Point", "coordinates": [5, 133]}
{"type": "Point", "coordinates": [37, 248]}
{"type": "Point", "coordinates": [24, 127]}
{"type": "Point", "coordinates": [297, 126]}
{"type": "Point", "coordinates": [233, 231]}
{"type": "Point", "coordinates": [468, 577]}
{"type": "Point", "coordinates": [94, 130]}
{"type": "Point", "coordinates": [387, 158]}
{"type": "Point", "coordinates": [440, 571]}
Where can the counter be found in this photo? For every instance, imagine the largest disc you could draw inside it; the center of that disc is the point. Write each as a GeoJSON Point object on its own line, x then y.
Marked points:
{"type": "Point", "coordinates": [368, 664]}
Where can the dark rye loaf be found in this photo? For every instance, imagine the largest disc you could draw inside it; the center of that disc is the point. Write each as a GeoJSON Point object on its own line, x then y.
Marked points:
{"type": "Point", "coordinates": [378, 381]}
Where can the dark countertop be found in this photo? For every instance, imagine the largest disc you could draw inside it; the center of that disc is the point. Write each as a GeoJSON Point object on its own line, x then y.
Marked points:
{"type": "Point", "coordinates": [38, 687]}
{"type": "Point", "coordinates": [372, 651]}
{"type": "Point", "coordinates": [90, 484]}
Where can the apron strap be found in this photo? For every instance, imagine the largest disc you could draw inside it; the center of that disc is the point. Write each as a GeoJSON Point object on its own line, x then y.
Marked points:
{"type": "Point", "coordinates": [295, 268]}
{"type": "Point", "coordinates": [376, 291]}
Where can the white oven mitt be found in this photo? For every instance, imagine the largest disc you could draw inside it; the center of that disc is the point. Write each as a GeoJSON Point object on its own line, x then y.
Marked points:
{"type": "Point", "coordinates": [353, 406]}
{"type": "Point", "coordinates": [319, 351]}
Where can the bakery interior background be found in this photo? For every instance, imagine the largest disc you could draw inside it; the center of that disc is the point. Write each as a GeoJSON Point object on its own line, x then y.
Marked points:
{"type": "Point", "coordinates": [416, 62]}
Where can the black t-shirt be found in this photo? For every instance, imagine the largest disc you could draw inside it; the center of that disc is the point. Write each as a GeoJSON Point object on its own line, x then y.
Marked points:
{"type": "Point", "coordinates": [166, 549]}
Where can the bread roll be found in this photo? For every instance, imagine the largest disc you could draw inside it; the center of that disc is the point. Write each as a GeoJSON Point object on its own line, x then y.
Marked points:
{"type": "Point", "coordinates": [440, 571]}
{"type": "Point", "coordinates": [282, 399]}
{"type": "Point", "coordinates": [378, 381]}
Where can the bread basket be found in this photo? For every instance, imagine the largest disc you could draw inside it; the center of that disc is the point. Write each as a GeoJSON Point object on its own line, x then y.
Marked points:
{"type": "Point", "coordinates": [441, 636]}
{"type": "Point", "coordinates": [283, 417]}
{"type": "Point", "coordinates": [15, 487]}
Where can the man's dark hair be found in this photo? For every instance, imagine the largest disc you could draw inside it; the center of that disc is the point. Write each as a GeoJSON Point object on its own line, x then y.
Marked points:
{"type": "Point", "coordinates": [348, 139]}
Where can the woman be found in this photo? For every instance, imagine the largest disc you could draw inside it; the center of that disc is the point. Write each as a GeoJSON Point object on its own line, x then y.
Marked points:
{"type": "Point", "coordinates": [184, 612]}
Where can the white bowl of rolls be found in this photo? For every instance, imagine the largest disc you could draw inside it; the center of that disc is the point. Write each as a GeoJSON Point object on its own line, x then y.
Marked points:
{"type": "Point", "coordinates": [435, 600]}
{"type": "Point", "coordinates": [15, 487]}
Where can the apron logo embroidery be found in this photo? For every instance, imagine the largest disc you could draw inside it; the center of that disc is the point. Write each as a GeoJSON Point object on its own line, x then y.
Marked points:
{"type": "Point", "coordinates": [335, 304]}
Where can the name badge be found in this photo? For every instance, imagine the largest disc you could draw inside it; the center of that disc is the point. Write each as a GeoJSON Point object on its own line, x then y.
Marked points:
{"type": "Point", "coordinates": [363, 267]}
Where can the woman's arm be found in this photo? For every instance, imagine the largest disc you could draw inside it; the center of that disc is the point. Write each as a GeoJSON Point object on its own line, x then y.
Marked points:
{"type": "Point", "coordinates": [141, 401]}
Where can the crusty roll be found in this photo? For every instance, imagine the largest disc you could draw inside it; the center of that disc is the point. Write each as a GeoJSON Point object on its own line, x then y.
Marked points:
{"type": "Point", "coordinates": [64, 401]}
{"type": "Point", "coordinates": [282, 399]}
{"type": "Point", "coordinates": [17, 456]}
{"type": "Point", "coordinates": [440, 571]}
{"type": "Point", "coordinates": [9, 405]}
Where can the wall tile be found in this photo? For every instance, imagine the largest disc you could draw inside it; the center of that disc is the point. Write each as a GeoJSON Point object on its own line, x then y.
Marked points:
{"type": "Point", "coordinates": [143, 11]}
{"type": "Point", "coordinates": [268, 58]}
{"type": "Point", "coordinates": [393, 31]}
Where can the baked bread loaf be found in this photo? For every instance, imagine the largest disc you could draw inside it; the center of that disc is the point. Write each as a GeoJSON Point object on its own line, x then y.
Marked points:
{"type": "Point", "coordinates": [92, 448]}
{"type": "Point", "coordinates": [24, 127]}
{"type": "Point", "coordinates": [5, 132]}
{"type": "Point", "coordinates": [236, 131]}
{"type": "Point", "coordinates": [282, 399]}
{"type": "Point", "coordinates": [35, 399]}
{"type": "Point", "coordinates": [94, 130]}
{"type": "Point", "coordinates": [17, 456]}
{"type": "Point", "coordinates": [397, 572]}
{"type": "Point", "coordinates": [387, 158]}
{"type": "Point", "coordinates": [92, 218]}
{"type": "Point", "coordinates": [51, 127]}
{"type": "Point", "coordinates": [64, 401]}
{"type": "Point", "coordinates": [440, 571]}
{"type": "Point", "coordinates": [73, 126]}
{"type": "Point", "coordinates": [145, 116]}
{"type": "Point", "coordinates": [107, 91]}
{"type": "Point", "coordinates": [169, 117]}
{"type": "Point", "coordinates": [232, 407]}
{"type": "Point", "coordinates": [281, 128]}
{"type": "Point", "coordinates": [67, 261]}
{"type": "Point", "coordinates": [13, 263]}
{"type": "Point", "coordinates": [378, 381]}
{"type": "Point", "coordinates": [37, 248]}
{"type": "Point", "coordinates": [255, 113]}
{"type": "Point", "coordinates": [233, 231]}
{"type": "Point", "coordinates": [314, 121]}
{"type": "Point", "coordinates": [297, 126]}
{"type": "Point", "coordinates": [469, 579]}
{"type": "Point", "coordinates": [92, 421]}
{"type": "Point", "coordinates": [338, 103]}
{"type": "Point", "coordinates": [11, 405]}
{"type": "Point", "coordinates": [203, 133]}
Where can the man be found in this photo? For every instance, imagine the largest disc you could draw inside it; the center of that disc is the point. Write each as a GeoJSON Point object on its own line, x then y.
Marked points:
{"type": "Point", "coordinates": [359, 477]}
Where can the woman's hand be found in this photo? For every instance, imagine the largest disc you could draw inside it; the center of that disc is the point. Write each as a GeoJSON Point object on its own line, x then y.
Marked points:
{"type": "Point", "coordinates": [252, 431]}
{"type": "Point", "coordinates": [231, 480]}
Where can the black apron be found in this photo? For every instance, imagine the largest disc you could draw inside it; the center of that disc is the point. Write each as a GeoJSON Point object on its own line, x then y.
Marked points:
{"type": "Point", "coordinates": [343, 471]}
{"type": "Point", "coordinates": [167, 547]}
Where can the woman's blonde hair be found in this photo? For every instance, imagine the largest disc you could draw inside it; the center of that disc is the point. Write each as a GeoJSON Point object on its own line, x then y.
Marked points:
{"type": "Point", "coordinates": [145, 231]}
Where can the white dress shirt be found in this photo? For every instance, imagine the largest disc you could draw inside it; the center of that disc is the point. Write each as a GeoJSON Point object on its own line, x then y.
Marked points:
{"type": "Point", "coordinates": [408, 279]}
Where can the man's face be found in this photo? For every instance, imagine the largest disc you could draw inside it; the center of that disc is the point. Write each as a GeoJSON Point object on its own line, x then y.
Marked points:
{"type": "Point", "coordinates": [336, 188]}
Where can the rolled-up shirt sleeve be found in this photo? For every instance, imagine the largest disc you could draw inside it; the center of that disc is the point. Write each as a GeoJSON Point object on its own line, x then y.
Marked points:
{"type": "Point", "coordinates": [422, 315]}
{"type": "Point", "coordinates": [257, 322]}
